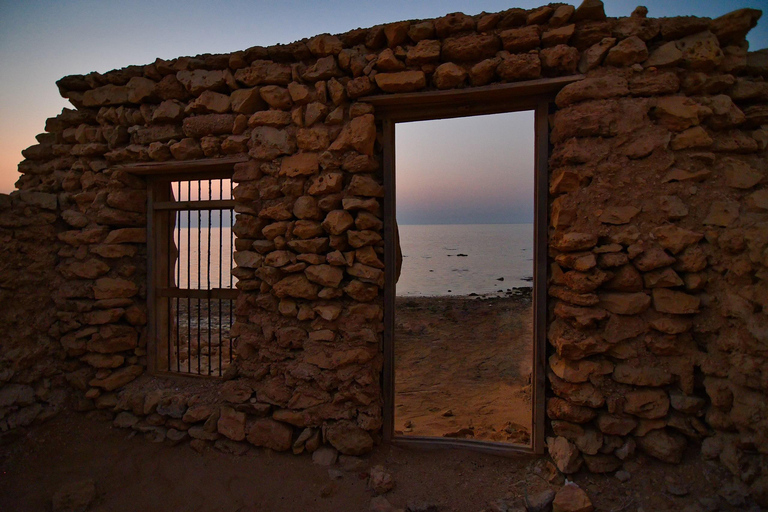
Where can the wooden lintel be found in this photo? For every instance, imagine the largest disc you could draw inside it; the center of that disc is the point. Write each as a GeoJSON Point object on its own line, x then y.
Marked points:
{"type": "Point", "coordinates": [466, 102]}
{"type": "Point", "coordinates": [183, 166]}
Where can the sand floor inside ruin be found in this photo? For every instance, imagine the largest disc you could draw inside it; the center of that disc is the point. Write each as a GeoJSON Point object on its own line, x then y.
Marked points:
{"type": "Point", "coordinates": [132, 473]}
{"type": "Point", "coordinates": [463, 367]}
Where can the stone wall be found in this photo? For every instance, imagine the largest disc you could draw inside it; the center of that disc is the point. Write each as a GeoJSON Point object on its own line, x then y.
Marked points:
{"type": "Point", "coordinates": [658, 225]}
{"type": "Point", "coordinates": [32, 364]}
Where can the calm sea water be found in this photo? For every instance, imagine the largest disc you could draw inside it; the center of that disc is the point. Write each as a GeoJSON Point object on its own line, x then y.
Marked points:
{"type": "Point", "coordinates": [432, 265]}
{"type": "Point", "coordinates": [201, 268]}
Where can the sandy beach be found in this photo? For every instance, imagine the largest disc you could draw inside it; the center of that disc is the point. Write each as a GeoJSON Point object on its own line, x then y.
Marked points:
{"type": "Point", "coordinates": [463, 366]}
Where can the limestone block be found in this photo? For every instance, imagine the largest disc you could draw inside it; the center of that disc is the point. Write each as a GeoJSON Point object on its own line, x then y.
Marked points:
{"type": "Point", "coordinates": [618, 214]}
{"type": "Point", "coordinates": [700, 52]}
{"type": "Point", "coordinates": [297, 286]}
{"type": "Point", "coordinates": [264, 72]}
{"type": "Point", "coordinates": [571, 498]}
{"type": "Point", "coordinates": [276, 97]}
{"type": "Point", "coordinates": [560, 59]}
{"type": "Point", "coordinates": [118, 378]}
{"type": "Point", "coordinates": [564, 454]}
{"type": "Point", "coordinates": [663, 445]}
{"type": "Point", "coordinates": [647, 403]}
{"type": "Point", "coordinates": [267, 143]}
{"type": "Point", "coordinates": [520, 40]}
{"type": "Point", "coordinates": [592, 89]}
{"type": "Point", "coordinates": [556, 36]}
{"type": "Point", "coordinates": [584, 394]}
{"type": "Point", "coordinates": [615, 425]}
{"type": "Point", "coordinates": [579, 371]}
{"type": "Point", "coordinates": [348, 438]}
{"type": "Point", "coordinates": [452, 23]}
{"type": "Point", "coordinates": [629, 51]}
{"type": "Point", "coordinates": [590, 10]}
{"type": "Point", "coordinates": [325, 275]}
{"type": "Point", "coordinates": [733, 27]}
{"type": "Point", "coordinates": [594, 55]}
{"type": "Point", "coordinates": [525, 66]}
{"type": "Point", "coordinates": [625, 303]}
{"type": "Point", "coordinates": [231, 424]}
{"type": "Point", "coordinates": [449, 75]}
{"type": "Point", "coordinates": [200, 80]}
{"type": "Point", "coordinates": [638, 373]}
{"type": "Point", "coordinates": [403, 81]}
{"type": "Point", "coordinates": [562, 15]}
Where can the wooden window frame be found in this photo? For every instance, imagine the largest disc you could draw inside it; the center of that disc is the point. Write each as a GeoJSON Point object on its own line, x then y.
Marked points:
{"type": "Point", "coordinates": [536, 95]}
{"type": "Point", "coordinates": [158, 176]}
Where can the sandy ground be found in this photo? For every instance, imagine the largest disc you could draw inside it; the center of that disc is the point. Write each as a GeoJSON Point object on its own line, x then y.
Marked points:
{"type": "Point", "coordinates": [133, 474]}
{"type": "Point", "coordinates": [463, 367]}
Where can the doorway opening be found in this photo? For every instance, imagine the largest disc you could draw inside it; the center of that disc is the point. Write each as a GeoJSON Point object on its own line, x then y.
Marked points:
{"type": "Point", "coordinates": [534, 96]}
{"type": "Point", "coordinates": [463, 334]}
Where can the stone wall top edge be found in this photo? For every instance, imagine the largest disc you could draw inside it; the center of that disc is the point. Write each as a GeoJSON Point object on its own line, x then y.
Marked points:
{"type": "Point", "coordinates": [592, 11]}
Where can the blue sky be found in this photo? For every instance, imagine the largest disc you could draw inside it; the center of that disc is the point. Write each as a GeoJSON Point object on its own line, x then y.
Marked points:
{"type": "Point", "coordinates": [41, 41]}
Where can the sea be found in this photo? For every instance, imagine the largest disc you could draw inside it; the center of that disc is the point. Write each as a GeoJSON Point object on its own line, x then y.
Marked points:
{"type": "Point", "coordinates": [438, 260]}
{"type": "Point", "coordinates": [462, 259]}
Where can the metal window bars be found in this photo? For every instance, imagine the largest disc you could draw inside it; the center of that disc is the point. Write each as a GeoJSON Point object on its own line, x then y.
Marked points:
{"type": "Point", "coordinates": [194, 288]}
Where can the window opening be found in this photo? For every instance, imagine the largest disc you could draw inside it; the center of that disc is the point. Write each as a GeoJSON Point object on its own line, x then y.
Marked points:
{"type": "Point", "coordinates": [194, 285]}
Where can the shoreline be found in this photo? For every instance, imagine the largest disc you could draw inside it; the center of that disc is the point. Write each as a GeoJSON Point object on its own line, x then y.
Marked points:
{"type": "Point", "coordinates": [509, 293]}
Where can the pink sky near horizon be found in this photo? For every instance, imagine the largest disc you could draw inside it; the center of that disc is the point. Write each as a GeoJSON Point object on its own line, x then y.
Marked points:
{"type": "Point", "coordinates": [43, 40]}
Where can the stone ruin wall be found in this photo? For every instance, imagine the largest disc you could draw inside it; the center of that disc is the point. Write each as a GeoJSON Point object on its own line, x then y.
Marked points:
{"type": "Point", "coordinates": [658, 334]}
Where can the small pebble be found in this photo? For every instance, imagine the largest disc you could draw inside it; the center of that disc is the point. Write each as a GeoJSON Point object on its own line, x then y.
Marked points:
{"type": "Point", "coordinates": [623, 475]}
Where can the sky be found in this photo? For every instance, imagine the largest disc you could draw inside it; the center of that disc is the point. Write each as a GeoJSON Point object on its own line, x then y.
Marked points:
{"type": "Point", "coordinates": [469, 170]}
{"type": "Point", "coordinates": [41, 41]}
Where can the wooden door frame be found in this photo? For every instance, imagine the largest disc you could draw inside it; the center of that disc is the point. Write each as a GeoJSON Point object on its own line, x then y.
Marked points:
{"type": "Point", "coordinates": [536, 95]}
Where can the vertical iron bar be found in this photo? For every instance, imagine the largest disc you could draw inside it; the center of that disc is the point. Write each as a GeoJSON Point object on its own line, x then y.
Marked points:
{"type": "Point", "coordinates": [199, 226]}
{"type": "Point", "coordinates": [208, 272]}
{"type": "Point", "coordinates": [221, 262]}
{"type": "Point", "coordinates": [189, 280]}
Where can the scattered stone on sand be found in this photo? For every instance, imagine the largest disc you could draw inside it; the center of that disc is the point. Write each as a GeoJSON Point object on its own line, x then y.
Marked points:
{"type": "Point", "coordinates": [572, 498]}
{"type": "Point", "coordinates": [564, 454]}
{"type": "Point", "coordinates": [380, 481]}
{"type": "Point", "coordinates": [547, 470]}
{"type": "Point", "coordinates": [540, 502]}
{"type": "Point", "coordinates": [325, 456]}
